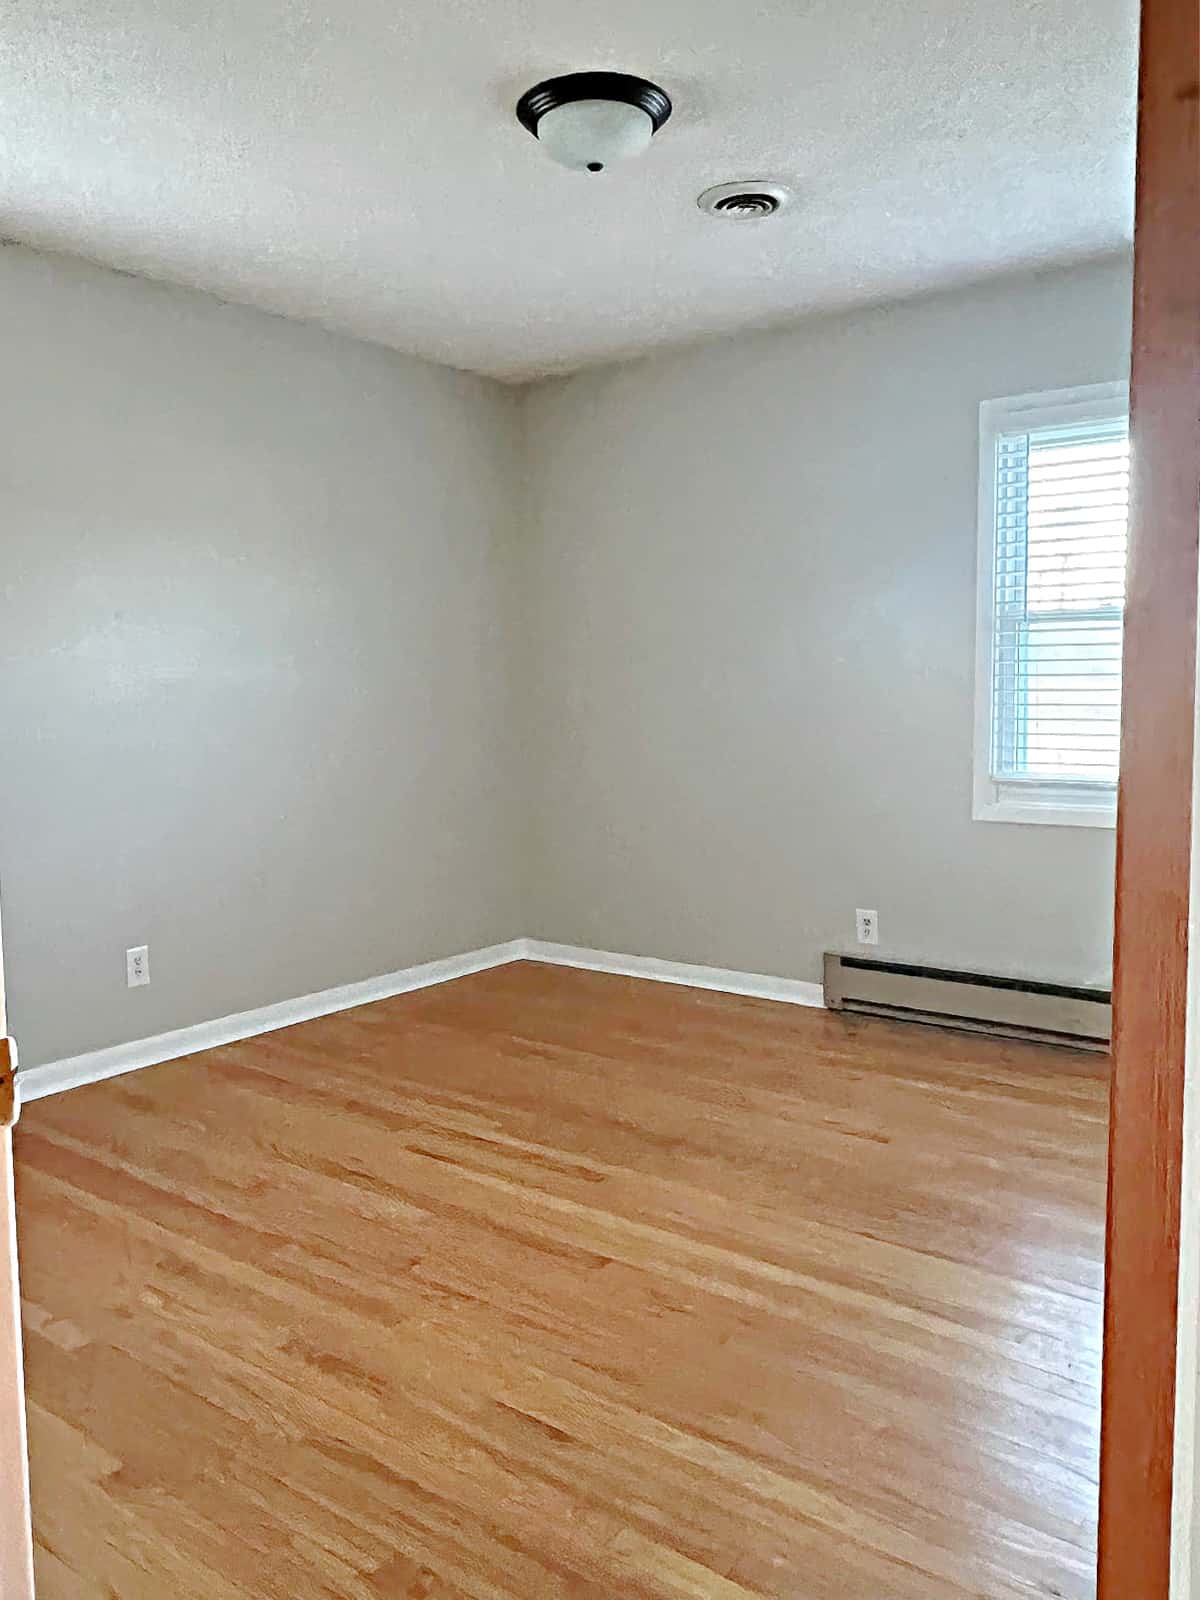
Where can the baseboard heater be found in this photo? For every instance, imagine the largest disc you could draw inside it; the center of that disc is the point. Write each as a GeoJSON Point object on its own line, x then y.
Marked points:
{"type": "Point", "coordinates": [1014, 1007]}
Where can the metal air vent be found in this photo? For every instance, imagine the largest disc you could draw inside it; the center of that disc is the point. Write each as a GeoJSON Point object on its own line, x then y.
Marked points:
{"type": "Point", "coordinates": [744, 202]}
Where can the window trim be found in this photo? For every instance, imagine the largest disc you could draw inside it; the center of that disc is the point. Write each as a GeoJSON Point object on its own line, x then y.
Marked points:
{"type": "Point", "coordinates": [1062, 803]}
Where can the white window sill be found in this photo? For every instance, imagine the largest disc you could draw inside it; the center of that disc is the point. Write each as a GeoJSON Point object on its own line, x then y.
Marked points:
{"type": "Point", "coordinates": [1061, 805]}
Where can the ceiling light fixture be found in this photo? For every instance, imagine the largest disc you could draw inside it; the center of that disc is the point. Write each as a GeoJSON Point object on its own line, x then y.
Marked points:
{"type": "Point", "coordinates": [588, 120]}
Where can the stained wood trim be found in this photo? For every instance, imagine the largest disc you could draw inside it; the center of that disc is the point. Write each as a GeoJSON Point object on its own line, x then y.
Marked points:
{"type": "Point", "coordinates": [1154, 822]}
{"type": "Point", "coordinates": [8, 1083]}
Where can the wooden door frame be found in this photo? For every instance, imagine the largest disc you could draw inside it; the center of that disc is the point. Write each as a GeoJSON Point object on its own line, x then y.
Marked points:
{"type": "Point", "coordinates": [1154, 830]}
{"type": "Point", "coordinates": [16, 1533]}
{"type": "Point", "coordinates": [16, 1536]}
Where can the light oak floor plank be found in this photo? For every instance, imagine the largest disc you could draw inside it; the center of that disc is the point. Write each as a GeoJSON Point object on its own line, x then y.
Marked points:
{"type": "Point", "coordinates": [551, 1285]}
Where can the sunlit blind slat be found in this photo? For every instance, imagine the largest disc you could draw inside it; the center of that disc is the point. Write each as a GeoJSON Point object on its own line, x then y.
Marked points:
{"type": "Point", "coordinates": [1062, 509]}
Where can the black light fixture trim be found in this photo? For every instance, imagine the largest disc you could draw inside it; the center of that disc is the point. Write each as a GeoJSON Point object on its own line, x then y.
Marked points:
{"type": "Point", "coordinates": [534, 103]}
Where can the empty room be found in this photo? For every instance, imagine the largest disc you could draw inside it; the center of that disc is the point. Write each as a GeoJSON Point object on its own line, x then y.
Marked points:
{"type": "Point", "coordinates": [566, 581]}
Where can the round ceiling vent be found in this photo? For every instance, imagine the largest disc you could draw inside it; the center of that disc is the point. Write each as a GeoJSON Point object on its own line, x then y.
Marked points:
{"type": "Point", "coordinates": [744, 202]}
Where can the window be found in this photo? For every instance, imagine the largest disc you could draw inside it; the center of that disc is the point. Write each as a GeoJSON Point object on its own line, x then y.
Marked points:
{"type": "Point", "coordinates": [1053, 518]}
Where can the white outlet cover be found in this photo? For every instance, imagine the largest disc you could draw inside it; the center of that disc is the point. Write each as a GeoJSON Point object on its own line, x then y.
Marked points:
{"type": "Point", "coordinates": [137, 966]}
{"type": "Point", "coordinates": [867, 926]}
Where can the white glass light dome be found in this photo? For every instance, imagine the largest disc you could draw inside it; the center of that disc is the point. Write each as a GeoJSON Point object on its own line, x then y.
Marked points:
{"type": "Point", "coordinates": [588, 135]}
{"type": "Point", "coordinates": [588, 120]}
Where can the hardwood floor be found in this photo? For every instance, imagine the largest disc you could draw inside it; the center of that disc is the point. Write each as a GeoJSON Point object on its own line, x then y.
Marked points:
{"type": "Point", "coordinates": [552, 1284]}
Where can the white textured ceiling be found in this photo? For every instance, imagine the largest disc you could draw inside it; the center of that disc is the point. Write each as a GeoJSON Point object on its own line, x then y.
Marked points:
{"type": "Point", "coordinates": [357, 162]}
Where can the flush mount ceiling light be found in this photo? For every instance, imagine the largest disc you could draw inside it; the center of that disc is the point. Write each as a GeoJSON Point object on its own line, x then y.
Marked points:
{"type": "Point", "coordinates": [588, 120]}
{"type": "Point", "coordinates": [745, 202]}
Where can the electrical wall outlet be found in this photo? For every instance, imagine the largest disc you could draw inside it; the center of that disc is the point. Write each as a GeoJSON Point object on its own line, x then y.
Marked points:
{"type": "Point", "coordinates": [137, 966]}
{"type": "Point", "coordinates": [868, 926]}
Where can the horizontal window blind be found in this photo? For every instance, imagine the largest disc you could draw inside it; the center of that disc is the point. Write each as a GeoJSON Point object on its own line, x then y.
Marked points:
{"type": "Point", "coordinates": [1062, 514]}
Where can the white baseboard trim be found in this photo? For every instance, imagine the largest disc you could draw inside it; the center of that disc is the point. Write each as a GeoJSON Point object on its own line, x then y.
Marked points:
{"type": "Point", "coordinates": [74, 1071]}
{"type": "Point", "coordinates": [792, 991]}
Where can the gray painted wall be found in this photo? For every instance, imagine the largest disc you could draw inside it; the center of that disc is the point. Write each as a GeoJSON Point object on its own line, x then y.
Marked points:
{"type": "Point", "coordinates": [754, 570]}
{"type": "Point", "coordinates": [255, 670]}
{"type": "Point", "coordinates": [285, 693]}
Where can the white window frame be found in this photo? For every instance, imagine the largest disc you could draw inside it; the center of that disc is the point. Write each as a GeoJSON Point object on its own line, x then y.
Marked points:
{"type": "Point", "coordinates": [1045, 800]}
